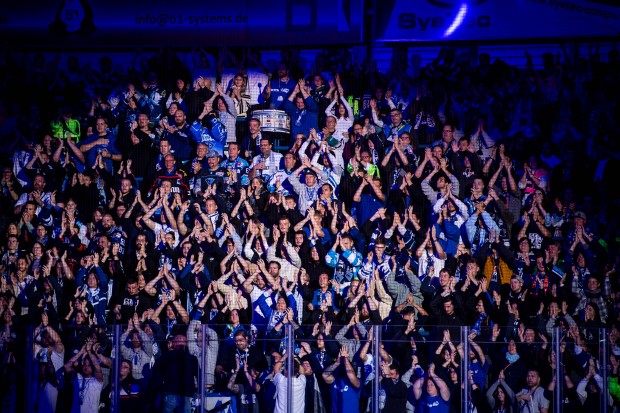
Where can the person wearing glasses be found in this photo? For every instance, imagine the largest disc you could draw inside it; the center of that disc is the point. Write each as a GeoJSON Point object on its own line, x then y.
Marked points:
{"type": "Point", "coordinates": [447, 137]}
{"type": "Point", "coordinates": [397, 127]}
{"type": "Point", "coordinates": [267, 163]}
{"type": "Point", "coordinates": [227, 357]}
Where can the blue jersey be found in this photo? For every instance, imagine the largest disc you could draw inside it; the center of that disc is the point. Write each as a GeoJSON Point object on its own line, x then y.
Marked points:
{"type": "Point", "coordinates": [240, 166]}
{"type": "Point", "coordinates": [280, 91]}
{"type": "Point", "coordinates": [91, 155]}
{"type": "Point", "coordinates": [432, 404]}
{"type": "Point", "coordinates": [214, 137]}
{"type": "Point", "coordinates": [480, 373]}
{"type": "Point", "coordinates": [345, 397]}
{"type": "Point", "coordinates": [392, 132]}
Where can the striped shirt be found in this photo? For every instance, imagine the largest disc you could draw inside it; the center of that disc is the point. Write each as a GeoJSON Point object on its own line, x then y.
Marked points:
{"type": "Point", "coordinates": [272, 164]}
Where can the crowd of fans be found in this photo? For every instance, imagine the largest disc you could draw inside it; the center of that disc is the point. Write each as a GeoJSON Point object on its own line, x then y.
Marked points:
{"type": "Point", "coordinates": [480, 196]}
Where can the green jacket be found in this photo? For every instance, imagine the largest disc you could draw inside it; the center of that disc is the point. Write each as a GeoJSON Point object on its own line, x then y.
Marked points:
{"type": "Point", "coordinates": [61, 128]}
{"type": "Point", "coordinates": [614, 387]}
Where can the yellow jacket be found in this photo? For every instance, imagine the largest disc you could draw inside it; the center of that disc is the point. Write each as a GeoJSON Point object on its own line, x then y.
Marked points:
{"type": "Point", "coordinates": [504, 271]}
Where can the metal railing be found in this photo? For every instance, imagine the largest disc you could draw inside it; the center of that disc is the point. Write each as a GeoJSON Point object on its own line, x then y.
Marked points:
{"type": "Point", "coordinates": [216, 391]}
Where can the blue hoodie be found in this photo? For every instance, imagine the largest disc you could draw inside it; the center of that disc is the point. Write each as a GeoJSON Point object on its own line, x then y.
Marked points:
{"type": "Point", "coordinates": [214, 137]}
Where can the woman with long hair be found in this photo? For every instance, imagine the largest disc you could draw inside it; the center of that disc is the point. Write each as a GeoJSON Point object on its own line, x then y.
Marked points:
{"type": "Point", "coordinates": [525, 260]}
{"type": "Point", "coordinates": [71, 215]}
{"type": "Point", "coordinates": [234, 324]}
{"type": "Point", "coordinates": [256, 245]}
{"type": "Point", "coordinates": [225, 107]}
{"type": "Point", "coordinates": [94, 224]}
{"type": "Point", "coordinates": [341, 110]}
{"type": "Point", "coordinates": [500, 396]}
{"type": "Point", "coordinates": [330, 163]}
{"type": "Point", "coordinates": [258, 195]}
{"type": "Point", "coordinates": [590, 322]}
{"type": "Point", "coordinates": [10, 189]}
{"type": "Point", "coordinates": [177, 94]}
{"type": "Point", "coordinates": [8, 333]}
{"type": "Point", "coordinates": [239, 92]}
{"type": "Point", "coordinates": [129, 391]}
{"type": "Point", "coordinates": [174, 313]}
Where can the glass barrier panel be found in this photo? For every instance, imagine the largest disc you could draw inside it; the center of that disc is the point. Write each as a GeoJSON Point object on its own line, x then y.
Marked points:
{"type": "Point", "coordinates": [148, 366]}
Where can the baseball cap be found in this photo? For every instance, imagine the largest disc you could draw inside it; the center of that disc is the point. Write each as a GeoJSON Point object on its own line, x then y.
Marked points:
{"type": "Point", "coordinates": [580, 214]}
{"type": "Point", "coordinates": [309, 171]}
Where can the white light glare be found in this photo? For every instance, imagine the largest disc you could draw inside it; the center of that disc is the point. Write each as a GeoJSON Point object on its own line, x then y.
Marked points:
{"type": "Point", "coordinates": [457, 20]}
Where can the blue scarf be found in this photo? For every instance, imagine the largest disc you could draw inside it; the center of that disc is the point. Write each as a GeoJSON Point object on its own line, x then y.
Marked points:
{"type": "Point", "coordinates": [512, 358]}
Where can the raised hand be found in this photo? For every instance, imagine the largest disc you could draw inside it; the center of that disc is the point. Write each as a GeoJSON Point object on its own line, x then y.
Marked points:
{"type": "Point", "coordinates": [443, 163]}
{"type": "Point", "coordinates": [495, 332]}
{"type": "Point", "coordinates": [328, 327]}
{"type": "Point", "coordinates": [455, 146]}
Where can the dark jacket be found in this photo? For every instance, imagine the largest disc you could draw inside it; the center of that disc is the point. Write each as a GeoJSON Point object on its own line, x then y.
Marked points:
{"type": "Point", "coordinates": [176, 372]}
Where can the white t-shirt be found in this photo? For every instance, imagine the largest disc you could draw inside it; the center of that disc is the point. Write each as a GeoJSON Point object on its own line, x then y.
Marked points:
{"type": "Point", "coordinates": [46, 399]}
{"type": "Point", "coordinates": [299, 393]}
{"type": "Point", "coordinates": [88, 391]}
{"type": "Point", "coordinates": [58, 359]}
